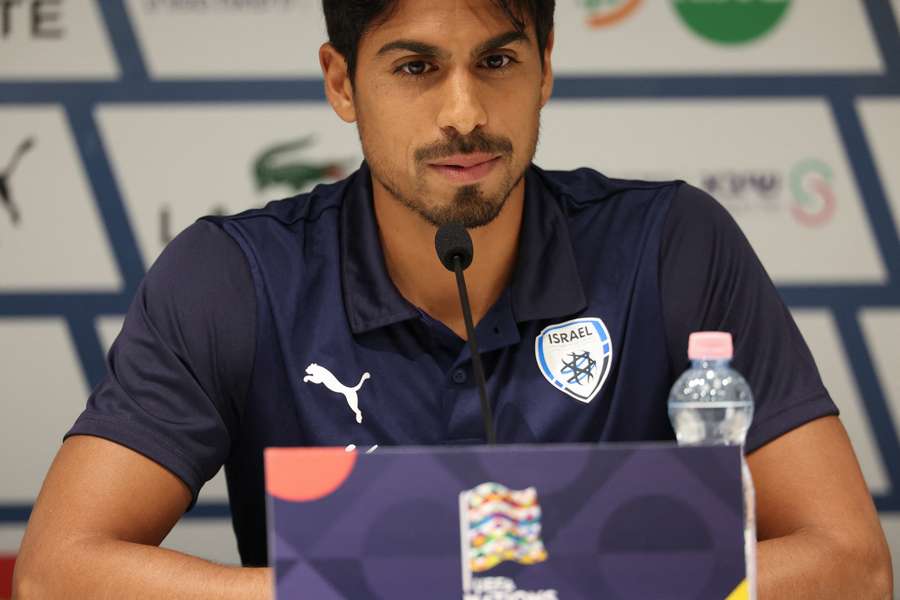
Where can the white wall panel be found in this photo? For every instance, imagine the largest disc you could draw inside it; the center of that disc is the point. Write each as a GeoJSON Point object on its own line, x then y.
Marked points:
{"type": "Point", "coordinates": [814, 36]}
{"type": "Point", "coordinates": [882, 330]}
{"type": "Point", "coordinates": [881, 119]}
{"type": "Point", "coordinates": [262, 38]}
{"type": "Point", "coordinates": [43, 392]}
{"type": "Point", "coordinates": [65, 39]}
{"type": "Point", "coordinates": [58, 241]}
{"type": "Point", "coordinates": [821, 334]}
{"type": "Point", "coordinates": [208, 154]}
{"type": "Point", "coordinates": [749, 154]}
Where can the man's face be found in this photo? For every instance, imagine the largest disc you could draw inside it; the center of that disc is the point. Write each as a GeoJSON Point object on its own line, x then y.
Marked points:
{"type": "Point", "coordinates": [447, 97]}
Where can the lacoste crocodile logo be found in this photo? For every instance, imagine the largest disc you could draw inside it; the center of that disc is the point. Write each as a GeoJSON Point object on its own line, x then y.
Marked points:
{"type": "Point", "coordinates": [278, 166]}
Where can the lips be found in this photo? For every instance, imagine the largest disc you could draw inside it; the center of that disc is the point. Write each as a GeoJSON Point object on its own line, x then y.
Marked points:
{"type": "Point", "coordinates": [464, 160]}
{"type": "Point", "coordinates": [465, 168]}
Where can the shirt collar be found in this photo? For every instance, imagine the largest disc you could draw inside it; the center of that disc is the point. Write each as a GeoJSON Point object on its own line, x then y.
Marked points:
{"type": "Point", "coordinates": [370, 296]}
{"type": "Point", "coordinates": [545, 282]}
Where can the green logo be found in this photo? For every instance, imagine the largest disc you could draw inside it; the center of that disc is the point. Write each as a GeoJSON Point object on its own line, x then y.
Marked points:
{"type": "Point", "coordinates": [731, 21]}
{"type": "Point", "coordinates": [279, 165]}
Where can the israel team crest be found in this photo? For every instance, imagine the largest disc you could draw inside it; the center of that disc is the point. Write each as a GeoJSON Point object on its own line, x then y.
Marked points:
{"type": "Point", "coordinates": [575, 356]}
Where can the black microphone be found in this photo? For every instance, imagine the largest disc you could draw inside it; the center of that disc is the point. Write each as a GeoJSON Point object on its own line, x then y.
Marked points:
{"type": "Point", "coordinates": [454, 249]}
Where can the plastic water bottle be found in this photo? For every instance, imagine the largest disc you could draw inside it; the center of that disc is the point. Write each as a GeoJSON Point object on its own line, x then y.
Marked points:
{"type": "Point", "coordinates": [711, 404]}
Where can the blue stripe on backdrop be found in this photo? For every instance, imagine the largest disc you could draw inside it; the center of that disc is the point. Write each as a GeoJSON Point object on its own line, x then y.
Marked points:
{"type": "Point", "coordinates": [80, 100]}
{"type": "Point", "coordinates": [106, 192]}
{"type": "Point", "coordinates": [124, 42]}
{"type": "Point", "coordinates": [863, 164]}
{"type": "Point", "coordinates": [19, 513]}
{"type": "Point", "coordinates": [310, 90]}
{"type": "Point", "coordinates": [884, 25]}
{"type": "Point", "coordinates": [857, 352]}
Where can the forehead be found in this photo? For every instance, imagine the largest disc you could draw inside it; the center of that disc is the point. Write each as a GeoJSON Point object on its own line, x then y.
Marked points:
{"type": "Point", "coordinates": [439, 22]}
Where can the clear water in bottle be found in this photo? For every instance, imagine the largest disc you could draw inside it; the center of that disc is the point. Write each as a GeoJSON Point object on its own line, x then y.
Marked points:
{"type": "Point", "coordinates": [711, 403]}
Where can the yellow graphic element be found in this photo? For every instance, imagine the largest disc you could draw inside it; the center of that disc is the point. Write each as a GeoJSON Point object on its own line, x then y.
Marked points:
{"type": "Point", "coordinates": [741, 592]}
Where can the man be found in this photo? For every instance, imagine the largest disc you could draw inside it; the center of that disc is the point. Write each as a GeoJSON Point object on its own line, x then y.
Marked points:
{"type": "Point", "coordinates": [328, 320]}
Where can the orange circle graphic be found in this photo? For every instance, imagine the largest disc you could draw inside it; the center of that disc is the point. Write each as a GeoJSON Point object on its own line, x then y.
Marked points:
{"type": "Point", "coordinates": [611, 18]}
{"type": "Point", "coordinates": [305, 474]}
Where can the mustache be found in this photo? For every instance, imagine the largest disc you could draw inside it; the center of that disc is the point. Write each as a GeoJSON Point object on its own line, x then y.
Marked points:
{"type": "Point", "coordinates": [477, 141]}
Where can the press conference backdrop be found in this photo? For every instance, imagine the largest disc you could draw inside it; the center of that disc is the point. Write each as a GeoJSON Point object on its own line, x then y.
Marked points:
{"type": "Point", "coordinates": [122, 121]}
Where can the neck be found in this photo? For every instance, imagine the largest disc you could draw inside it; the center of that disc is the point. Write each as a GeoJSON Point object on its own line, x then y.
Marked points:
{"type": "Point", "coordinates": [412, 263]}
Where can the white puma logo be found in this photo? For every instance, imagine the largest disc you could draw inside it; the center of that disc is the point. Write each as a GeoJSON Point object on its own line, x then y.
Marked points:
{"type": "Point", "coordinates": [319, 374]}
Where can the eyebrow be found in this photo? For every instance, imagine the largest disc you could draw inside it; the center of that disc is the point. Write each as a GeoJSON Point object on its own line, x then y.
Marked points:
{"type": "Point", "coordinates": [498, 41]}
{"type": "Point", "coordinates": [411, 46]}
{"type": "Point", "coordinates": [424, 49]}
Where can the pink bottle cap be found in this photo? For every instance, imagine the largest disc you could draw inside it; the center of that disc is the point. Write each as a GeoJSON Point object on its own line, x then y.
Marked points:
{"type": "Point", "coordinates": [710, 345]}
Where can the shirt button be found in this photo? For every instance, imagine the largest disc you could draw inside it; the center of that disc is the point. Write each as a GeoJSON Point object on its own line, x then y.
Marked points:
{"type": "Point", "coordinates": [459, 376]}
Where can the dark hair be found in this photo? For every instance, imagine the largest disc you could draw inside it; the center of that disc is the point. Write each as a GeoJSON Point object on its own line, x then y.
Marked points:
{"type": "Point", "coordinates": [348, 20]}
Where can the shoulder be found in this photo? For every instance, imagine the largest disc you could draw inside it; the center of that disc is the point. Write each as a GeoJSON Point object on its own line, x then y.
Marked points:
{"type": "Point", "coordinates": [694, 209]}
{"type": "Point", "coordinates": [295, 212]}
{"type": "Point", "coordinates": [202, 252]}
{"type": "Point", "coordinates": [585, 187]}
{"type": "Point", "coordinates": [202, 279]}
{"type": "Point", "coordinates": [699, 227]}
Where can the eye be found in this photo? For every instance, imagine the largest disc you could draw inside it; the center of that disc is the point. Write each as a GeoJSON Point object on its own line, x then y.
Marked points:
{"type": "Point", "coordinates": [414, 68]}
{"type": "Point", "coordinates": [496, 61]}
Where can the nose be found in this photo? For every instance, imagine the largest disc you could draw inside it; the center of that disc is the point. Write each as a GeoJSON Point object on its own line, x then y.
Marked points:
{"type": "Point", "coordinates": [461, 110]}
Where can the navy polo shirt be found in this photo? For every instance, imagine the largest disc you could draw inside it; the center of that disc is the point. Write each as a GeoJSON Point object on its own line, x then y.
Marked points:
{"type": "Point", "coordinates": [281, 327]}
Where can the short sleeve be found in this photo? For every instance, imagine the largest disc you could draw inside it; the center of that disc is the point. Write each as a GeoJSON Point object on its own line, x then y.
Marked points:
{"type": "Point", "coordinates": [179, 370]}
{"type": "Point", "coordinates": [710, 279]}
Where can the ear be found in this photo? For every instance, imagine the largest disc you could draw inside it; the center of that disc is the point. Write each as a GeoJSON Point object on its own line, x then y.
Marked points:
{"type": "Point", "coordinates": [547, 76]}
{"type": "Point", "coordinates": [338, 87]}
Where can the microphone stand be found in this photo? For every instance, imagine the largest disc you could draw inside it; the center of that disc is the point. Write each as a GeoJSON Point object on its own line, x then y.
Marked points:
{"type": "Point", "coordinates": [473, 350]}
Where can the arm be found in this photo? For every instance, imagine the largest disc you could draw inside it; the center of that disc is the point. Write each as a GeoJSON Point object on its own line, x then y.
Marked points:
{"type": "Point", "coordinates": [101, 512]}
{"type": "Point", "coordinates": [159, 425]}
{"type": "Point", "coordinates": [819, 533]}
{"type": "Point", "coordinates": [818, 530]}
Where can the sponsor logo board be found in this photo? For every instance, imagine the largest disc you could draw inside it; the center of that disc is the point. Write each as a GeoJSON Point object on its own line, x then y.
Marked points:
{"type": "Point", "coordinates": [821, 334]}
{"type": "Point", "coordinates": [229, 38]}
{"type": "Point", "coordinates": [219, 159]}
{"type": "Point", "coordinates": [793, 194]}
{"type": "Point", "coordinates": [43, 386]}
{"type": "Point", "coordinates": [41, 39]}
{"type": "Point", "coordinates": [881, 120]}
{"type": "Point", "coordinates": [699, 36]}
{"type": "Point", "coordinates": [51, 234]}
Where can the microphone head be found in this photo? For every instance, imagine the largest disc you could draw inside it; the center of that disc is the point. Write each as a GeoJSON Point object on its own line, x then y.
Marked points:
{"type": "Point", "coordinates": [453, 240]}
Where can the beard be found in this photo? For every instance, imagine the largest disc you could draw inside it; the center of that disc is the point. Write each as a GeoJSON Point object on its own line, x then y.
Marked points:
{"type": "Point", "coordinates": [471, 205]}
